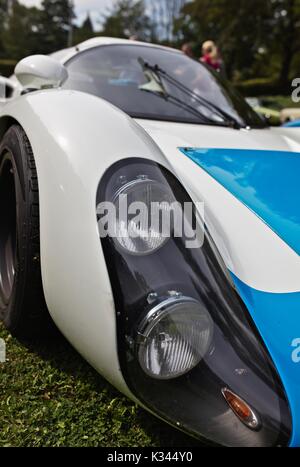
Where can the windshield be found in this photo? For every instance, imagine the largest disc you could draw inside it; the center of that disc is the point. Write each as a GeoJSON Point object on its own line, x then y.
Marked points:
{"type": "Point", "coordinates": [116, 73]}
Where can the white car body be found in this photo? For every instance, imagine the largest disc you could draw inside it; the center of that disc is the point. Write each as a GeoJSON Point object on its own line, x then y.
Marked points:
{"type": "Point", "coordinates": [75, 138]}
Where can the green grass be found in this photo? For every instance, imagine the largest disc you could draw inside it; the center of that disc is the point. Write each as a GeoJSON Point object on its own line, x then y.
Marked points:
{"type": "Point", "coordinates": [280, 102]}
{"type": "Point", "coordinates": [49, 396]}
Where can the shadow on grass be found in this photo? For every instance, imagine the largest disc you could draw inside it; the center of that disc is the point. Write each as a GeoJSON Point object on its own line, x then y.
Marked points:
{"type": "Point", "coordinates": [62, 356]}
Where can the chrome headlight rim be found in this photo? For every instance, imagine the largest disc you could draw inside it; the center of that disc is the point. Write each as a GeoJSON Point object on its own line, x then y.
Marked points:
{"type": "Point", "coordinates": [128, 189]}
{"type": "Point", "coordinates": [166, 307]}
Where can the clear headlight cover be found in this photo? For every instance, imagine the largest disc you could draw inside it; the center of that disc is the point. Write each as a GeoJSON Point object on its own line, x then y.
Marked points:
{"type": "Point", "coordinates": [173, 338]}
{"type": "Point", "coordinates": [137, 231]}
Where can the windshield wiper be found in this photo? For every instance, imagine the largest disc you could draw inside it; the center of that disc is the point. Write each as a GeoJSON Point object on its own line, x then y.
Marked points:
{"type": "Point", "coordinates": [154, 74]}
{"type": "Point", "coordinates": [156, 86]}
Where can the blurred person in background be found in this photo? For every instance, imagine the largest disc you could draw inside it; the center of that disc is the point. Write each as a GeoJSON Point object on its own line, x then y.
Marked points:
{"type": "Point", "coordinates": [187, 50]}
{"type": "Point", "coordinates": [211, 57]}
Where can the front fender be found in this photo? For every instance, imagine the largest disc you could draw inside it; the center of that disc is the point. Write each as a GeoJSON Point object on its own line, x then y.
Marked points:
{"type": "Point", "coordinates": [75, 137]}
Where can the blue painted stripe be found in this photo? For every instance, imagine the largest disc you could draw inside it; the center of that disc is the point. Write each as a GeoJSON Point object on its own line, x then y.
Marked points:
{"type": "Point", "coordinates": [268, 182]}
{"type": "Point", "coordinates": [277, 317]}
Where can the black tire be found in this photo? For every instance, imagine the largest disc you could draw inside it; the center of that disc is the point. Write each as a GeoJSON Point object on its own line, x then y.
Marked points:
{"type": "Point", "coordinates": [22, 305]}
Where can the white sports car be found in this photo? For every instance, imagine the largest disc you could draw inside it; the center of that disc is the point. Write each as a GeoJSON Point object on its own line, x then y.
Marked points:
{"type": "Point", "coordinates": [204, 335]}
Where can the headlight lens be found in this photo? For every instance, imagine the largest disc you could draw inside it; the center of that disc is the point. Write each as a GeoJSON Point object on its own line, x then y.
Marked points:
{"type": "Point", "coordinates": [138, 232]}
{"type": "Point", "coordinates": [174, 338]}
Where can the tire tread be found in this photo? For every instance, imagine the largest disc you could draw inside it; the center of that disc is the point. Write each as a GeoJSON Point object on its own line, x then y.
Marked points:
{"type": "Point", "coordinates": [28, 316]}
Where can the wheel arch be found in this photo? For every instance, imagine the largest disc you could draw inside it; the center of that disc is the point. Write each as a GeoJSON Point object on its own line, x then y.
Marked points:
{"type": "Point", "coordinates": [74, 138]}
{"type": "Point", "coordinates": [5, 123]}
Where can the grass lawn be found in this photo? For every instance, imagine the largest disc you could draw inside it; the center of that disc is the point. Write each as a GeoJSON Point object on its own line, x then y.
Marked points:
{"type": "Point", "coordinates": [49, 396]}
{"type": "Point", "coordinates": [280, 102]}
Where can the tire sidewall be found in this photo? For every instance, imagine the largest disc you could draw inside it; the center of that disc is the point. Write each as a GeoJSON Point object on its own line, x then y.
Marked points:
{"type": "Point", "coordinates": [13, 147]}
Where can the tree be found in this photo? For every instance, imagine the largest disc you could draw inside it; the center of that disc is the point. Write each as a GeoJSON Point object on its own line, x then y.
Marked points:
{"type": "Point", "coordinates": [127, 18]}
{"type": "Point", "coordinates": [286, 20]}
{"type": "Point", "coordinates": [3, 19]}
{"type": "Point", "coordinates": [239, 27]}
{"type": "Point", "coordinates": [86, 31]}
{"type": "Point", "coordinates": [20, 34]}
{"type": "Point", "coordinates": [164, 14]}
{"type": "Point", "coordinates": [258, 38]}
{"type": "Point", "coordinates": [56, 24]}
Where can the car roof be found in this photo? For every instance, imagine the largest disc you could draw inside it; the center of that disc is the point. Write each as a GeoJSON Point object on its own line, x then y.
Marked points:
{"type": "Point", "coordinates": [65, 54]}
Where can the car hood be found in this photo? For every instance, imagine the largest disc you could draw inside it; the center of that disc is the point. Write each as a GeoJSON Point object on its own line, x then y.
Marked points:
{"type": "Point", "coordinates": [265, 181]}
{"type": "Point", "coordinates": [248, 181]}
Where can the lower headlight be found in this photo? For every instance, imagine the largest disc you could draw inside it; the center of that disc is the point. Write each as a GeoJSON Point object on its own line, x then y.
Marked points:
{"type": "Point", "coordinates": [173, 338]}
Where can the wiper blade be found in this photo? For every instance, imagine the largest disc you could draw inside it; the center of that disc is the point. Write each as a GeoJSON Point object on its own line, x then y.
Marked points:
{"type": "Point", "coordinates": [227, 120]}
{"type": "Point", "coordinates": [184, 106]}
{"type": "Point", "coordinates": [156, 87]}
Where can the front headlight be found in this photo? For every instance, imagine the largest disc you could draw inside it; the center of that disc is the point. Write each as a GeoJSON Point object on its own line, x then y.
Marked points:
{"type": "Point", "coordinates": [174, 337]}
{"type": "Point", "coordinates": [188, 348]}
{"type": "Point", "coordinates": [136, 233]}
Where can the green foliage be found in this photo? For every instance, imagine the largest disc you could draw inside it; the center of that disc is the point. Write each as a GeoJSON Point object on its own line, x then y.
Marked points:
{"type": "Point", "coordinates": [230, 24]}
{"type": "Point", "coordinates": [279, 102]}
{"type": "Point", "coordinates": [55, 19]}
{"type": "Point", "coordinates": [286, 30]}
{"type": "Point", "coordinates": [28, 31]}
{"type": "Point", "coordinates": [127, 18]}
{"type": "Point", "coordinates": [257, 38]}
{"type": "Point", "coordinates": [7, 67]}
{"type": "Point", "coordinates": [259, 87]}
{"type": "Point", "coordinates": [51, 397]}
{"type": "Point", "coordinates": [21, 35]}
{"type": "Point", "coordinates": [86, 31]}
